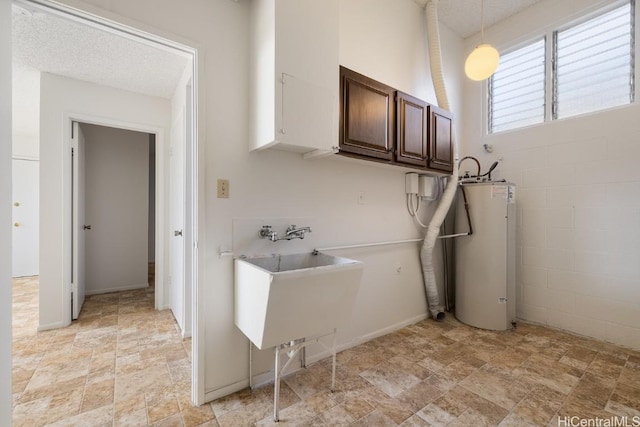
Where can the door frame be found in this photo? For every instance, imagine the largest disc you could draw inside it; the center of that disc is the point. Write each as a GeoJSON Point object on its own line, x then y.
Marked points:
{"type": "Point", "coordinates": [195, 210]}
{"type": "Point", "coordinates": [161, 226]}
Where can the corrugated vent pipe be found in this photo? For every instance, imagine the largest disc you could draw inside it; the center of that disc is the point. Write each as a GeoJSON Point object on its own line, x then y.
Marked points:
{"type": "Point", "coordinates": [433, 229]}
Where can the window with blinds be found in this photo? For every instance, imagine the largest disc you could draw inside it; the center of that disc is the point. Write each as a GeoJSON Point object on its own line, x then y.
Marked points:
{"type": "Point", "coordinates": [517, 89]}
{"type": "Point", "coordinates": [593, 64]}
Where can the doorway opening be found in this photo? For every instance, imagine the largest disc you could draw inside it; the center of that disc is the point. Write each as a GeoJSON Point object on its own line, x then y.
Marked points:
{"type": "Point", "coordinates": [56, 271]}
{"type": "Point", "coordinates": [113, 186]}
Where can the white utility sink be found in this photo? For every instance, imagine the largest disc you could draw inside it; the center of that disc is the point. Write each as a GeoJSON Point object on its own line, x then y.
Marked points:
{"type": "Point", "coordinates": [281, 298]}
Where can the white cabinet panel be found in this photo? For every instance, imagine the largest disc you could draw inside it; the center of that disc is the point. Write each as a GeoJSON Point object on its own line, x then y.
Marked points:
{"type": "Point", "coordinates": [294, 75]}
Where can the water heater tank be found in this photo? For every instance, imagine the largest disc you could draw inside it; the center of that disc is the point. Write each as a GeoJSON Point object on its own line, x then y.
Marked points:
{"type": "Point", "coordinates": [485, 262]}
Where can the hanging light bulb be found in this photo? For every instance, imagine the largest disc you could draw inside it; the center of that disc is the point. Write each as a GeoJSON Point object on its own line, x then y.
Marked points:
{"type": "Point", "coordinates": [484, 60]}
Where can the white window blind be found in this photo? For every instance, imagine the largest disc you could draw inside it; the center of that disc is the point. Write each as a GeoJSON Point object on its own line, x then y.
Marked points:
{"type": "Point", "coordinates": [593, 64]}
{"type": "Point", "coordinates": [517, 89]}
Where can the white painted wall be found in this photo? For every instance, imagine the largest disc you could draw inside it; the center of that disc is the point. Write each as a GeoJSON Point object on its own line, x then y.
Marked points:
{"type": "Point", "coordinates": [5, 212]}
{"type": "Point", "coordinates": [386, 42]}
{"type": "Point", "coordinates": [578, 201]}
{"type": "Point", "coordinates": [61, 97]}
{"type": "Point", "coordinates": [26, 112]}
{"type": "Point", "coordinates": [116, 207]}
{"type": "Point", "coordinates": [25, 128]}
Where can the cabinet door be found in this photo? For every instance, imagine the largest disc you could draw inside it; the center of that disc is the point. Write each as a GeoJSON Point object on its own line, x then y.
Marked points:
{"type": "Point", "coordinates": [413, 130]}
{"type": "Point", "coordinates": [440, 142]}
{"type": "Point", "coordinates": [367, 116]}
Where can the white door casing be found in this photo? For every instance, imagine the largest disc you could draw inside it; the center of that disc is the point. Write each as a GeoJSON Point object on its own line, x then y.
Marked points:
{"type": "Point", "coordinates": [78, 227]}
{"type": "Point", "coordinates": [25, 236]}
{"type": "Point", "coordinates": [176, 218]}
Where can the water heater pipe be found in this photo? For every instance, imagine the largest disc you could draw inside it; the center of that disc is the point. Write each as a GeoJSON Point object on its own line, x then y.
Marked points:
{"type": "Point", "coordinates": [433, 229]}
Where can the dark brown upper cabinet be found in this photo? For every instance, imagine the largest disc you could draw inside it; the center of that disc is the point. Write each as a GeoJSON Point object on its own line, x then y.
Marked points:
{"type": "Point", "coordinates": [367, 116]}
{"type": "Point", "coordinates": [412, 115]}
{"type": "Point", "coordinates": [382, 124]}
{"type": "Point", "coordinates": [440, 140]}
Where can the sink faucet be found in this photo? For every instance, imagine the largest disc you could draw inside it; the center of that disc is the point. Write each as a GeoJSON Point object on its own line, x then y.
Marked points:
{"type": "Point", "coordinates": [296, 233]}
{"type": "Point", "coordinates": [293, 232]}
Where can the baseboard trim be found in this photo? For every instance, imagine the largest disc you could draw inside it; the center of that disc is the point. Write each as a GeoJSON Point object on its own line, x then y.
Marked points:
{"type": "Point", "coordinates": [50, 326]}
{"type": "Point", "coordinates": [119, 289]}
{"type": "Point", "coordinates": [225, 390]}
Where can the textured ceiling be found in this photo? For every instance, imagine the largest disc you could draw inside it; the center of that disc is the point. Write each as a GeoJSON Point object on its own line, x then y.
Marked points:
{"type": "Point", "coordinates": [463, 16]}
{"type": "Point", "coordinates": [52, 44]}
{"type": "Point", "coordinates": [55, 45]}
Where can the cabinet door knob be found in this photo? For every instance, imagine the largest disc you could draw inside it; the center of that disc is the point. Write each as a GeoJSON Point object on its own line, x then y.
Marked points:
{"type": "Point", "coordinates": [86, 227]}
{"type": "Point", "coordinates": [16, 224]}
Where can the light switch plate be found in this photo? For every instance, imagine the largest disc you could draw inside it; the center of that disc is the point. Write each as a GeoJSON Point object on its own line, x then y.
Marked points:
{"type": "Point", "coordinates": [223, 189]}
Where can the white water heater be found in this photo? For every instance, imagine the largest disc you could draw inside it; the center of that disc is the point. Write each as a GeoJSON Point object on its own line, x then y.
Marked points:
{"type": "Point", "coordinates": [485, 261]}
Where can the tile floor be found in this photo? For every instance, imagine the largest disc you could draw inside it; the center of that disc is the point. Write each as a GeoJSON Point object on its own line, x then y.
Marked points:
{"type": "Point", "coordinates": [123, 363]}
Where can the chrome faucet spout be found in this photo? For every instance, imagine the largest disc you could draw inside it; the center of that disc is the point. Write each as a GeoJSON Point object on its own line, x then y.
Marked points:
{"type": "Point", "coordinates": [294, 232]}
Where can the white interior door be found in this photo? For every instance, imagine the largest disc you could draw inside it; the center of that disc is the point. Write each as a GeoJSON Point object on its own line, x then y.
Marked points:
{"type": "Point", "coordinates": [177, 206]}
{"type": "Point", "coordinates": [79, 228]}
{"type": "Point", "coordinates": [25, 238]}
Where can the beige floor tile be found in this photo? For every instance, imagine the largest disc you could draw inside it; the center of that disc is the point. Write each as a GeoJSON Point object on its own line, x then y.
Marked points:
{"type": "Point", "coordinates": [172, 421]}
{"type": "Point", "coordinates": [473, 418]}
{"type": "Point", "coordinates": [134, 418]}
{"type": "Point", "coordinates": [322, 401]}
{"type": "Point", "coordinates": [490, 411]}
{"type": "Point", "coordinates": [125, 364]}
{"type": "Point", "coordinates": [391, 408]}
{"type": "Point", "coordinates": [376, 418]}
{"type": "Point", "coordinates": [539, 405]}
{"type": "Point", "coordinates": [160, 408]}
{"type": "Point", "coordinates": [97, 394]}
{"type": "Point", "coordinates": [515, 420]}
{"type": "Point", "coordinates": [495, 385]}
{"type": "Point", "coordinates": [139, 382]}
{"type": "Point", "coordinates": [336, 416]}
{"type": "Point", "coordinates": [102, 416]}
{"type": "Point", "coordinates": [357, 406]}
{"type": "Point", "coordinates": [193, 416]}
{"type": "Point", "coordinates": [625, 400]}
{"type": "Point", "coordinates": [435, 415]}
{"type": "Point", "coordinates": [390, 379]}
{"type": "Point", "coordinates": [420, 395]}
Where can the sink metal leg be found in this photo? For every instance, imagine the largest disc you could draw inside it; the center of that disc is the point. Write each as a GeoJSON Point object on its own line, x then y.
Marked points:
{"type": "Point", "coordinates": [295, 347]}
{"type": "Point", "coordinates": [333, 362]}
{"type": "Point", "coordinates": [276, 387]}
{"type": "Point", "coordinates": [250, 365]}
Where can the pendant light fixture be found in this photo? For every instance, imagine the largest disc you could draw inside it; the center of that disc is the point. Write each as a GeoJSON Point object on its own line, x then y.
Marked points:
{"type": "Point", "coordinates": [484, 60]}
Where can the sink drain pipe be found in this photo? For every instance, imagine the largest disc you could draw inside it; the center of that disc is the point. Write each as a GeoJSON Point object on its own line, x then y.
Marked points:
{"type": "Point", "coordinates": [433, 229]}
